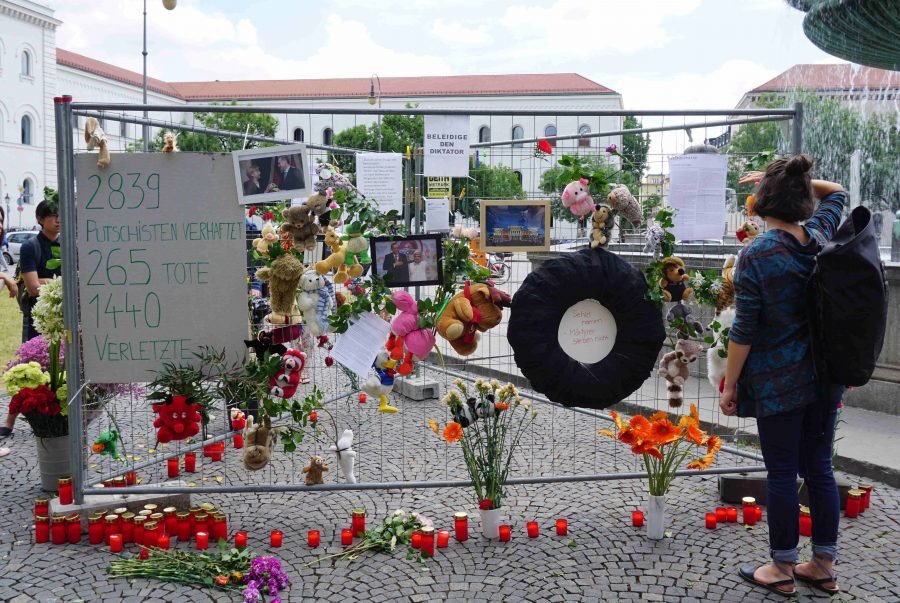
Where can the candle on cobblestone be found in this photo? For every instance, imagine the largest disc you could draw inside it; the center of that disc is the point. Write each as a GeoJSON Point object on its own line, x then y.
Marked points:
{"type": "Point", "coordinates": [443, 539]}
{"type": "Point", "coordinates": [139, 521]}
{"type": "Point", "coordinates": [562, 527]}
{"type": "Point", "coordinates": [95, 530]}
{"type": "Point", "coordinates": [171, 520]}
{"type": "Point", "coordinates": [219, 527]}
{"type": "Point", "coordinates": [183, 527]}
{"type": "Point", "coordinates": [130, 478]}
{"type": "Point", "coordinates": [66, 494]}
{"type": "Point", "coordinates": [115, 543]}
{"type": "Point", "coordinates": [119, 482]}
{"type": "Point", "coordinates": [748, 501]}
{"type": "Point", "coordinates": [73, 528]}
{"type": "Point", "coordinates": [505, 532]}
{"type": "Point", "coordinates": [749, 515]}
{"type": "Point", "coordinates": [427, 541]}
{"type": "Point", "coordinates": [190, 462]}
{"type": "Point", "coordinates": [637, 518]}
{"type": "Point", "coordinates": [358, 522]}
{"type": "Point", "coordinates": [41, 529]}
{"type": "Point", "coordinates": [202, 541]}
{"type": "Point", "coordinates": [346, 536]}
{"type": "Point", "coordinates": [110, 527]}
{"type": "Point", "coordinates": [173, 467]}
{"type": "Point", "coordinates": [127, 527]}
{"type": "Point", "coordinates": [151, 534]}
{"type": "Point", "coordinates": [867, 495]}
{"type": "Point", "coordinates": [721, 515]}
{"type": "Point", "coordinates": [362, 398]}
{"type": "Point", "coordinates": [42, 506]}
{"type": "Point", "coordinates": [119, 512]}
{"type": "Point", "coordinates": [415, 539]}
{"type": "Point", "coordinates": [758, 513]}
{"type": "Point", "coordinates": [853, 500]}
{"type": "Point", "coordinates": [58, 529]}
{"type": "Point", "coordinates": [276, 538]}
{"type": "Point", "coordinates": [240, 539]}
{"type": "Point", "coordinates": [163, 542]}
{"type": "Point", "coordinates": [533, 529]}
{"type": "Point", "coordinates": [461, 526]}
{"type": "Point", "coordinates": [313, 538]}
{"type": "Point", "coordinates": [201, 523]}
{"type": "Point", "coordinates": [711, 521]}
{"type": "Point", "coordinates": [731, 514]}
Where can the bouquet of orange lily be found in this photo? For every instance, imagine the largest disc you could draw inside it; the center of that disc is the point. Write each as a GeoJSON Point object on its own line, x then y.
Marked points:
{"type": "Point", "coordinates": [665, 445]}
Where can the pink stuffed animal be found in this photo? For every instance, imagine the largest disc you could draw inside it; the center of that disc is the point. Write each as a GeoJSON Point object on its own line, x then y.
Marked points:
{"type": "Point", "coordinates": [285, 383]}
{"type": "Point", "coordinates": [405, 332]}
{"type": "Point", "coordinates": [577, 197]}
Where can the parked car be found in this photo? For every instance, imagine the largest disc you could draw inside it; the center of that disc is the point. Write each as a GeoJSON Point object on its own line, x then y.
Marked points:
{"type": "Point", "coordinates": [14, 242]}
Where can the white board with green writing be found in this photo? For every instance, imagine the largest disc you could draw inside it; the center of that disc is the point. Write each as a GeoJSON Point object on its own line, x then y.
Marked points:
{"type": "Point", "coordinates": [161, 256]}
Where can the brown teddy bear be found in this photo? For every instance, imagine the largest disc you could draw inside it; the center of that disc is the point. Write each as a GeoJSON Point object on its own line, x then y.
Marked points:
{"type": "Point", "coordinates": [283, 274]}
{"type": "Point", "coordinates": [602, 224]}
{"type": "Point", "coordinates": [673, 281]}
{"type": "Point", "coordinates": [314, 470]}
{"type": "Point", "coordinates": [300, 224]}
{"type": "Point", "coordinates": [477, 308]}
{"type": "Point", "coordinates": [337, 258]}
{"type": "Point", "coordinates": [318, 205]}
{"type": "Point", "coordinates": [259, 442]}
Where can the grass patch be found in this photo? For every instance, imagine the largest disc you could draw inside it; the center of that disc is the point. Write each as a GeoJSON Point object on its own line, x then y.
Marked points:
{"type": "Point", "coordinates": [10, 327]}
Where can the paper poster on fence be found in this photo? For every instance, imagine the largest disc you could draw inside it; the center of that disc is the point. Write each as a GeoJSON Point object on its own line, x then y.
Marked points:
{"type": "Point", "coordinates": [446, 145]}
{"type": "Point", "coordinates": [697, 191]}
{"type": "Point", "coordinates": [357, 348]}
{"type": "Point", "coordinates": [161, 249]}
{"type": "Point", "coordinates": [379, 176]}
{"type": "Point", "coordinates": [437, 215]}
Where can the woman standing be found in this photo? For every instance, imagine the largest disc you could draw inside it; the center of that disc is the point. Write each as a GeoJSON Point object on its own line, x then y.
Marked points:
{"type": "Point", "coordinates": [771, 375]}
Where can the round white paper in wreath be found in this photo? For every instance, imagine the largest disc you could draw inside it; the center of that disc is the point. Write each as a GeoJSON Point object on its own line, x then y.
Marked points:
{"type": "Point", "coordinates": [587, 331]}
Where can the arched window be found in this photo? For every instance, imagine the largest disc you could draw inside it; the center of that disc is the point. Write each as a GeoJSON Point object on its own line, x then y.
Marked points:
{"type": "Point", "coordinates": [518, 133]}
{"type": "Point", "coordinates": [26, 129]}
{"type": "Point", "coordinates": [518, 176]}
{"type": "Point", "coordinates": [484, 134]}
{"type": "Point", "coordinates": [328, 136]}
{"type": "Point", "coordinates": [299, 135]}
{"type": "Point", "coordinates": [27, 188]}
{"type": "Point", "coordinates": [550, 131]}
{"type": "Point", "coordinates": [26, 63]}
{"type": "Point", "coordinates": [584, 142]}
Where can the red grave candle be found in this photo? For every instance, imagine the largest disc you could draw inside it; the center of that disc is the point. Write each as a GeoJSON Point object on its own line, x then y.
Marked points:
{"type": "Point", "coordinates": [749, 515]}
{"type": "Point", "coordinates": [721, 515]}
{"type": "Point", "coordinates": [461, 526]}
{"type": "Point", "coordinates": [202, 541]}
{"type": "Point", "coordinates": [805, 522]}
{"type": "Point", "coordinates": [130, 478]}
{"type": "Point", "coordinates": [127, 527]}
{"type": "Point", "coordinates": [415, 539]}
{"type": "Point", "coordinates": [115, 543]}
{"type": "Point", "coordinates": [358, 522]}
{"type": "Point", "coordinates": [171, 520]}
{"type": "Point", "coordinates": [867, 495]}
{"type": "Point", "coordinates": [276, 538]}
{"type": "Point", "coordinates": [58, 529]}
{"type": "Point", "coordinates": [163, 542]}
{"type": "Point", "coordinates": [637, 518]}
{"type": "Point", "coordinates": [73, 528]}
{"type": "Point", "coordinates": [346, 536]}
{"type": "Point", "coordinates": [427, 541]}
{"type": "Point", "coordinates": [533, 529]}
{"type": "Point", "coordinates": [151, 534]}
{"type": "Point", "coordinates": [65, 491]}
{"type": "Point", "coordinates": [758, 513]}
{"type": "Point", "coordinates": [731, 514]}
{"type": "Point", "coordinates": [219, 527]}
{"type": "Point", "coordinates": [313, 538]}
{"type": "Point", "coordinates": [240, 539]}
{"type": "Point", "coordinates": [139, 521]}
{"type": "Point", "coordinates": [853, 502]}
{"type": "Point", "coordinates": [41, 529]}
{"type": "Point", "coordinates": [190, 462]}
{"type": "Point", "coordinates": [95, 530]}
{"type": "Point", "coordinates": [201, 523]}
{"type": "Point", "coordinates": [173, 467]}
{"type": "Point", "coordinates": [443, 539]}
{"type": "Point", "coordinates": [562, 527]}
{"type": "Point", "coordinates": [505, 532]}
{"type": "Point", "coordinates": [110, 527]}
{"type": "Point", "coordinates": [237, 425]}
{"type": "Point", "coordinates": [183, 527]}
{"type": "Point", "coordinates": [42, 507]}
{"type": "Point", "coordinates": [711, 521]}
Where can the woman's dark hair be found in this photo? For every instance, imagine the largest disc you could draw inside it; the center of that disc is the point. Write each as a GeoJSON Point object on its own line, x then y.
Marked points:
{"type": "Point", "coordinates": [785, 192]}
{"type": "Point", "coordinates": [45, 208]}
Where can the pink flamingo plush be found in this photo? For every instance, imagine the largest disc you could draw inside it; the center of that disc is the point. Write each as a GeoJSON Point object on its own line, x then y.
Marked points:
{"type": "Point", "coordinates": [405, 332]}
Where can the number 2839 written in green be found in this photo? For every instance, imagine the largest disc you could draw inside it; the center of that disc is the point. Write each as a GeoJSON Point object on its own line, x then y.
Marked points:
{"type": "Point", "coordinates": [131, 190]}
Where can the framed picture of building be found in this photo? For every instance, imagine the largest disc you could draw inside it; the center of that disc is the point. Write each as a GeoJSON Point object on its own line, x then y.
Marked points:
{"type": "Point", "coordinates": [519, 225]}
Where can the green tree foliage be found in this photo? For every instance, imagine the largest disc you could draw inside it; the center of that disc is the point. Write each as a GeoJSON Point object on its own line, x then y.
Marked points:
{"type": "Point", "coordinates": [635, 148]}
{"type": "Point", "coordinates": [397, 133]}
{"type": "Point", "coordinates": [486, 182]}
{"type": "Point", "coordinates": [598, 170]}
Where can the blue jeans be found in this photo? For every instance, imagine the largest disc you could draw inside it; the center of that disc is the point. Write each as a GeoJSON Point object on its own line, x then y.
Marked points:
{"type": "Point", "coordinates": [799, 442]}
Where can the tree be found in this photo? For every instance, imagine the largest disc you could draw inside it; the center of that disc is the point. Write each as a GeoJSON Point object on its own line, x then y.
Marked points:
{"type": "Point", "coordinates": [635, 148]}
{"type": "Point", "coordinates": [486, 182]}
{"type": "Point", "coordinates": [397, 133]}
{"type": "Point", "coordinates": [598, 170]}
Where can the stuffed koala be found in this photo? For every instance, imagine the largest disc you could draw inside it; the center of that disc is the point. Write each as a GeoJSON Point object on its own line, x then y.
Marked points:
{"type": "Point", "coordinates": [315, 300]}
{"type": "Point", "coordinates": [337, 259]}
{"type": "Point", "coordinates": [601, 226]}
{"type": "Point", "coordinates": [716, 355]}
{"type": "Point", "coordinates": [577, 197]}
{"type": "Point", "coordinates": [624, 202]}
{"type": "Point", "coordinates": [673, 281]}
{"type": "Point", "coordinates": [314, 470]}
{"type": "Point", "coordinates": [346, 455]}
{"type": "Point", "coordinates": [283, 275]}
{"type": "Point", "coordinates": [674, 367]}
{"type": "Point", "coordinates": [300, 223]}
{"type": "Point", "coordinates": [478, 308]}
{"type": "Point", "coordinates": [259, 442]}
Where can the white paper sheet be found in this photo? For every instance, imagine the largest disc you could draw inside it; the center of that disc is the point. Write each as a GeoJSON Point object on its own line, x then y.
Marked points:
{"type": "Point", "coordinates": [379, 176]}
{"type": "Point", "coordinates": [437, 215]}
{"type": "Point", "coordinates": [697, 191]}
{"type": "Point", "coordinates": [446, 145]}
{"type": "Point", "coordinates": [357, 348]}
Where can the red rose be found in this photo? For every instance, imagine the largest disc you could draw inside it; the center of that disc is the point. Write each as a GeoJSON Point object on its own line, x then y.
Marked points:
{"type": "Point", "coordinates": [252, 211]}
{"type": "Point", "coordinates": [544, 147]}
{"type": "Point", "coordinates": [486, 505]}
{"type": "Point", "coordinates": [268, 215]}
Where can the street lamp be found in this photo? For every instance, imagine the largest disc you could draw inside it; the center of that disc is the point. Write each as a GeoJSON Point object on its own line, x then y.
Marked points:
{"type": "Point", "coordinates": [169, 5]}
{"type": "Point", "coordinates": [373, 99]}
{"type": "Point", "coordinates": [6, 198]}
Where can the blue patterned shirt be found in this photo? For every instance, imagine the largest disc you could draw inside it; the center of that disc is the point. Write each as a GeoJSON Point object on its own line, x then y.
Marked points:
{"type": "Point", "coordinates": [771, 303]}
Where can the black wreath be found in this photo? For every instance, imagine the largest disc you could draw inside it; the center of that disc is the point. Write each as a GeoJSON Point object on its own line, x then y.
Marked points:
{"type": "Point", "coordinates": [538, 308]}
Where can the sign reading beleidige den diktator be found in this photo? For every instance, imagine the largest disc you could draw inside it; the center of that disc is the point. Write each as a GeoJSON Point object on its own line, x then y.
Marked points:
{"type": "Point", "coordinates": [161, 243]}
{"type": "Point", "coordinates": [446, 145]}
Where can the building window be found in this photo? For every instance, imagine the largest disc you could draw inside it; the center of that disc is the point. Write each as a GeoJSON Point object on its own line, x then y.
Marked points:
{"type": "Point", "coordinates": [518, 176]}
{"type": "Point", "coordinates": [518, 133]}
{"type": "Point", "coordinates": [327, 136]}
{"type": "Point", "coordinates": [26, 63]}
{"type": "Point", "coordinates": [27, 187]}
{"type": "Point", "coordinates": [299, 136]}
{"type": "Point", "coordinates": [484, 134]}
{"type": "Point", "coordinates": [584, 142]}
{"type": "Point", "coordinates": [550, 131]}
{"type": "Point", "coordinates": [26, 129]}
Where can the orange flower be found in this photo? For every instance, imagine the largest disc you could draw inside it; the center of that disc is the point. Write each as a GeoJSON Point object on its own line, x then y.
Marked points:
{"type": "Point", "coordinates": [620, 424]}
{"type": "Point", "coordinates": [453, 432]}
{"type": "Point", "coordinates": [713, 445]}
{"type": "Point", "coordinates": [221, 580]}
{"type": "Point", "coordinates": [703, 462]}
{"type": "Point", "coordinates": [663, 432]}
{"type": "Point", "coordinates": [501, 405]}
{"type": "Point", "coordinates": [647, 448]}
{"type": "Point", "coordinates": [695, 435]}
{"type": "Point", "coordinates": [659, 415]}
{"type": "Point", "coordinates": [695, 414]}
{"type": "Point", "coordinates": [628, 436]}
{"type": "Point", "coordinates": [640, 424]}
{"type": "Point", "coordinates": [432, 424]}
{"type": "Point", "coordinates": [606, 432]}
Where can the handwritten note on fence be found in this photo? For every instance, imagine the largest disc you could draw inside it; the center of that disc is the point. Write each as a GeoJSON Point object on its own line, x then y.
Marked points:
{"type": "Point", "coordinates": [161, 245]}
{"type": "Point", "coordinates": [587, 331]}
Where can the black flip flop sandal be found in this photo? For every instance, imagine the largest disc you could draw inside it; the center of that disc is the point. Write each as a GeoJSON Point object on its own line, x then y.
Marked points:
{"type": "Point", "coordinates": [819, 583]}
{"type": "Point", "coordinates": [5, 432]}
{"type": "Point", "coordinates": [747, 572]}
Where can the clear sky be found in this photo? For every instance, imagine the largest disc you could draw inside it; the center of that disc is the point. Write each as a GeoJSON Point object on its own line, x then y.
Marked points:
{"type": "Point", "coordinates": [656, 53]}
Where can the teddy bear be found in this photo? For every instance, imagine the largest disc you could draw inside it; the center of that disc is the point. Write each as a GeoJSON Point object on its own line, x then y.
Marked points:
{"type": "Point", "coordinates": [748, 232]}
{"type": "Point", "coordinates": [477, 308]}
{"type": "Point", "coordinates": [357, 247]}
{"type": "Point", "coordinates": [300, 224]}
{"type": "Point", "coordinates": [318, 205]}
{"type": "Point", "coordinates": [315, 300]}
{"type": "Point", "coordinates": [674, 368]}
{"type": "Point", "coordinates": [96, 139]}
{"type": "Point", "coordinates": [717, 354]}
{"type": "Point", "coordinates": [407, 339]}
{"type": "Point", "coordinates": [654, 238]}
{"type": "Point", "coordinates": [601, 225]}
{"type": "Point", "coordinates": [577, 197]}
{"type": "Point", "coordinates": [259, 442]}
{"type": "Point", "coordinates": [337, 259]}
{"type": "Point", "coordinates": [284, 275]}
{"type": "Point", "coordinates": [285, 382]}
{"type": "Point", "coordinates": [268, 235]}
{"type": "Point", "coordinates": [624, 202]}
{"type": "Point", "coordinates": [381, 382]}
{"type": "Point", "coordinates": [673, 281]}
{"type": "Point", "coordinates": [314, 470]}
{"type": "Point", "coordinates": [725, 297]}
{"type": "Point", "coordinates": [346, 455]}
{"type": "Point", "coordinates": [179, 418]}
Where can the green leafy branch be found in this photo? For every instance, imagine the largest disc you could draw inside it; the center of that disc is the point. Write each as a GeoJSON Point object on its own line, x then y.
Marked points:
{"type": "Point", "coordinates": [654, 270]}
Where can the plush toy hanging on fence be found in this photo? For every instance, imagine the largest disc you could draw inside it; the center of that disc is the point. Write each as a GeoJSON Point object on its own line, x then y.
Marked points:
{"type": "Point", "coordinates": [747, 232]}
{"type": "Point", "coordinates": [381, 383]}
{"type": "Point", "coordinates": [284, 275]}
{"type": "Point", "coordinates": [346, 455]}
{"type": "Point", "coordinates": [602, 222]}
{"type": "Point", "coordinates": [106, 443]}
{"type": "Point", "coordinates": [268, 235]}
{"type": "Point", "coordinates": [96, 139]}
{"type": "Point", "coordinates": [682, 311]}
{"type": "Point", "coordinates": [170, 146]}
{"type": "Point", "coordinates": [717, 354]}
{"type": "Point", "coordinates": [178, 419]}
{"type": "Point", "coordinates": [674, 368]}
{"type": "Point", "coordinates": [316, 300]}
{"type": "Point", "coordinates": [259, 442]}
{"type": "Point", "coordinates": [626, 205]}
{"type": "Point", "coordinates": [337, 259]}
{"type": "Point", "coordinates": [357, 247]}
{"type": "Point", "coordinates": [408, 338]}
{"type": "Point", "coordinates": [314, 470]}
{"type": "Point", "coordinates": [474, 311]}
{"type": "Point", "coordinates": [653, 242]}
{"type": "Point", "coordinates": [577, 197]}
{"type": "Point", "coordinates": [673, 281]}
{"type": "Point", "coordinates": [725, 297]}
{"type": "Point", "coordinates": [471, 410]}
{"type": "Point", "coordinates": [285, 382]}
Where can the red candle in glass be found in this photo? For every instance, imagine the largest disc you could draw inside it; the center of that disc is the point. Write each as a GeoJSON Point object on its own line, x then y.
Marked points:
{"type": "Point", "coordinates": [127, 527]}
{"type": "Point", "coordinates": [73, 528]}
{"type": "Point", "coordinates": [201, 523]}
{"type": "Point", "coordinates": [637, 518]}
{"type": "Point", "coordinates": [130, 478]}
{"type": "Point", "coordinates": [505, 532]}
{"type": "Point", "coordinates": [151, 534]}
{"type": "Point", "coordinates": [183, 527]}
{"type": "Point", "coordinates": [805, 522]}
{"type": "Point", "coordinates": [237, 425]}
{"type": "Point", "coordinates": [721, 515]}
{"type": "Point", "coordinates": [427, 542]}
{"type": "Point", "coordinates": [758, 513]}
{"type": "Point", "coordinates": [533, 529]}
{"type": "Point", "coordinates": [58, 529]}
{"type": "Point", "coordinates": [110, 527]}
{"type": "Point", "coordinates": [346, 536]}
{"type": "Point", "coordinates": [163, 542]}
{"type": "Point", "coordinates": [749, 516]}
{"type": "Point", "coordinates": [219, 528]}
{"type": "Point", "coordinates": [416, 539]}
{"type": "Point", "coordinates": [867, 495]}
{"type": "Point", "coordinates": [276, 538]}
{"type": "Point", "coordinates": [853, 500]}
{"type": "Point", "coordinates": [41, 507]}
{"type": "Point", "coordinates": [313, 538]}
{"type": "Point", "coordinates": [358, 522]}
{"type": "Point", "coordinates": [173, 467]}
{"type": "Point", "coordinates": [731, 514]}
{"type": "Point", "coordinates": [240, 540]}
{"type": "Point", "coordinates": [190, 462]}
{"type": "Point", "coordinates": [115, 543]}
{"type": "Point", "coordinates": [203, 541]}
{"type": "Point", "coordinates": [461, 526]}
{"type": "Point", "coordinates": [171, 520]}
{"type": "Point", "coordinates": [443, 539]}
{"type": "Point", "coordinates": [562, 527]}
{"type": "Point", "coordinates": [139, 522]}
{"type": "Point", "coordinates": [41, 529]}
{"type": "Point", "coordinates": [65, 491]}
{"type": "Point", "coordinates": [711, 521]}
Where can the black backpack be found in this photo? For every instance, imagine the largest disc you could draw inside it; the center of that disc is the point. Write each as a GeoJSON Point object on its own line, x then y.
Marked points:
{"type": "Point", "coordinates": [848, 295]}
